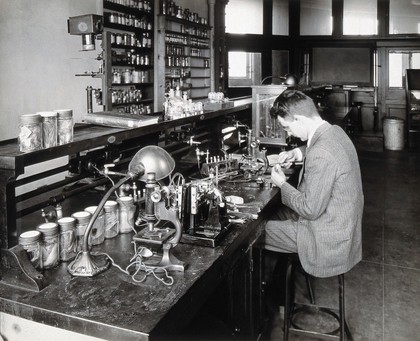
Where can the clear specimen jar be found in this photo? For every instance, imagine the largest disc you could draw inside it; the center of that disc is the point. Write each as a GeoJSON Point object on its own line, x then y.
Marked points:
{"type": "Point", "coordinates": [82, 222]}
{"type": "Point", "coordinates": [50, 244]}
{"type": "Point", "coordinates": [127, 210]}
{"type": "Point", "coordinates": [68, 238]}
{"type": "Point", "coordinates": [49, 128]}
{"type": "Point", "coordinates": [97, 233]}
{"type": "Point", "coordinates": [64, 126]}
{"type": "Point", "coordinates": [111, 219]}
{"type": "Point", "coordinates": [30, 133]}
{"type": "Point", "coordinates": [31, 242]}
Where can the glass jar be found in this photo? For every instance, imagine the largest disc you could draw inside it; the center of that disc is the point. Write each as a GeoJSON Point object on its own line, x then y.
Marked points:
{"type": "Point", "coordinates": [68, 238]}
{"type": "Point", "coordinates": [50, 247]}
{"type": "Point", "coordinates": [31, 242]}
{"type": "Point", "coordinates": [49, 128]}
{"type": "Point", "coordinates": [30, 134]}
{"type": "Point", "coordinates": [97, 233]}
{"type": "Point", "coordinates": [127, 210]}
{"type": "Point", "coordinates": [82, 222]}
{"type": "Point", "coordinates": [111, 219]}
{"type": "Point", "coordinates": [64, 126]}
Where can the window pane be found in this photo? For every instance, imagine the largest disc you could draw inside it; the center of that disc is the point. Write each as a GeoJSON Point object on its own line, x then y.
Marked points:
{"type": "Point", "coordinates": [399, 61]}
{"type": "Point", "coordinates": [244, 69]}
{"type": "Point", "coordinates": [360, 17]}
{"type": "Point", "coordinates": [315, 17]}
{"type": "Point", "coordinates": [244, 16]}
{"type": "Point", "coordinates": [404, 16]}
{"type": "Point", "coordinates": [281, 17]}
{"type": "Point", "coordinates": [280, 66]}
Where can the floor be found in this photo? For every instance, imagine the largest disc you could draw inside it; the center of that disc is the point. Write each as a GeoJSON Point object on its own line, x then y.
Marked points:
{"type": "Point", "coordinates": [383, 290]}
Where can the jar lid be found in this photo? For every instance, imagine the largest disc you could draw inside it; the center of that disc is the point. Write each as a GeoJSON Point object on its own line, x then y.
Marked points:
{"type": "Point", "coordinates": [48, 229]}
{"type": "Point", "coordinates": [126, 200]}
{"type": "Point", "coordinates": [92, 209]}
{"type": "Point", "coordinates": [30, 118]}
{"type": "Point", "coordinates": [66, 223]}
{"type": "Point", "coordinates": [64, 113]}
{"type": "Point", "coordinates": [110, 205]}
{"type": "Point", "coordinates": [47, 113]}
{"type": "Point", "coordinates": [82, 217]}
{"type": "Point", "coordinates": [29, 237]}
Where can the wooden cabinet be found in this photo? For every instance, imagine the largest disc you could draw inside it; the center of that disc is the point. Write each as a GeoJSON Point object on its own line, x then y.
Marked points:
{"type": "Point", "coordinates": [128, 56]}
{"type": "Point", "coordinates": [413, 109]}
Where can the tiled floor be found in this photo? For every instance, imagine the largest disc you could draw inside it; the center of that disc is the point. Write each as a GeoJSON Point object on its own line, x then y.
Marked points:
{"type": "Point", "coordinates": [382, 291]}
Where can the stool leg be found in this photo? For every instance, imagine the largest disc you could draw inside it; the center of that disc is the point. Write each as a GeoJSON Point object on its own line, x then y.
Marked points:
{"type": "Point", "coordinates": [287, 301]}
{"type": "Point", "coordinates": [310, 291]}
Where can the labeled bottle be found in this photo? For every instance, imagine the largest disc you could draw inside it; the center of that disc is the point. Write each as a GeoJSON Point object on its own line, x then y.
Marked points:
{"type": "Point", "coordinates": [97, 233]}
{"type": "Point", "coordinates": [111, 219]}
{"type": "Point", "coordinates": [68, 238]}
{"type": "Point", "coordinates": [82, 222]}
{"type": "Point", "coordinates": [64, 126]}
{"type": "Point", "coordinates": [127, 210]}
{"type": "Point", "coordinates": [31, 242]}
{"type": "Point", "coordinates": [30, 133]}
{"type": "Point", "coordinates": [49, 128]}
{"type": "Point", "coordinates": [50, 249]}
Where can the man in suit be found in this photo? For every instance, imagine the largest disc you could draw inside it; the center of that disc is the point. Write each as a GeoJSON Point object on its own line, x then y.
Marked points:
{"type": "Point", "coordinates": [321, 218]}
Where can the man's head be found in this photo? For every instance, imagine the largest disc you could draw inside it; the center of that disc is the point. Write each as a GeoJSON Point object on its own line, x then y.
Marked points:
{"type": "Point", "coordinates": [296, 112]}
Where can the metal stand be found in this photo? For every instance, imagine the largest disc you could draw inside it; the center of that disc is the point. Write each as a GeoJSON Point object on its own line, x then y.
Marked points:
{"type": "Point", "coordinates": [87, 265]}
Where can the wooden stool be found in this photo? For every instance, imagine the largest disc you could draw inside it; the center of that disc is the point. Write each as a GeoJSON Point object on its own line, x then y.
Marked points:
{"type": "Point", "coordinates": [292, 309]}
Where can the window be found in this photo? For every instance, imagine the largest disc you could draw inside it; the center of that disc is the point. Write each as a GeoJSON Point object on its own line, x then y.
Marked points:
{"type": "Point", "coordinates": [315, 17]}
{"type": "Point", "coordinates": [244, 16]}
{"type": "Point", "coordinates": [360, 17]}
{"type": "Point", "coordinates": [280, 65]}
{"type": "Point", "coordinates": [404, 16]}
{"type": "Point", "coordinates": [399, 61]}
{"type": "Point", "coordinates": [281, 17]}
{"type": "Point", "coordinates": [244, 69]}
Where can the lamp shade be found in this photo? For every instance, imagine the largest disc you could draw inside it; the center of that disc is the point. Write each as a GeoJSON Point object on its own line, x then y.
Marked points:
{"type": "Point", "coordinates": [152, 159]}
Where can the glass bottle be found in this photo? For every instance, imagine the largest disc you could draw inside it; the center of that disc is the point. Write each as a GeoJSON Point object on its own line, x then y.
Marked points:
{"type": "Point", "coordinates": [68, 238]}
{"type": "Point", "coordinates": [31, 242]}
{"type": "Point", "coordinates": [64, 126]}
{"type": "Point", "coordinates": [49, 129]}
{"type": "Point", "coordinates": [50, 245]}
{"type": "Point", "coordinates": [82, 222]}
{"type": "Point", "coordinates": [111, 219]}
{"type": "Point", "coordinates": [126, 214]}
{"type": "Point", "coordinates": [97, 234]}
{"type": "Point", "coordinates": [30, 134]}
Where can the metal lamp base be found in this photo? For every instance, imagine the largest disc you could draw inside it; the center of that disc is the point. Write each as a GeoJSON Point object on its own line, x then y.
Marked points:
{"type": "Point", "coordinates": [86, 265]}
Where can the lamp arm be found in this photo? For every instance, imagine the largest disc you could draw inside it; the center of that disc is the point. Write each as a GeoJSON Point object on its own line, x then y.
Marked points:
{"type": "Point", "coordinates": [100, 206]}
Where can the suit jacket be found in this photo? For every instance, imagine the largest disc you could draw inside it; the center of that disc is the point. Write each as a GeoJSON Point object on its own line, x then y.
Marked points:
{"type": "Point", "coordinates": [329, 201]}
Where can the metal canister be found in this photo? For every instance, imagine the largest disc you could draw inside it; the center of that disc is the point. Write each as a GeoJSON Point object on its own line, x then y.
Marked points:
{"type": "Point", "coordinates": [50, 245]}
{"type": "Point", "coordinates": [127, 210]}
{"type": "Point", "coordinates": [111, 219]}
{"type": "Point", "coordinates": [82, 221]}
{"type": "Point", "coordinates": [31, 242]}
{"type": "Point", "coordinates": [97, 234]}
{"type": "Point", "coordinates": [64, 126]}
{"type": "Point", "coordinates": [68, 238]}
{"type": "Point", "coordinates": [30, 134]}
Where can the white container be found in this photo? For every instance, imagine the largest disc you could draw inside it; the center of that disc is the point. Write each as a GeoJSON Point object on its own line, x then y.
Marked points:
{"type": "Point", "coordinates": [393, 133]}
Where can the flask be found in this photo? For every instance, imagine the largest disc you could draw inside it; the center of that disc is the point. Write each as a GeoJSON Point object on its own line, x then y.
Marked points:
{"type": "Point", "coordinates": [82, 221]}
{"type": "Point", "coordinates": [30, 134]}
{"type": "Point", "coordinates": [68, 239]}
{"type": "Point", "coordinates": [111, 219]}
{"type": "Point", "coordinates": [50, 250]}
{"type": "Point", "coordinates": [31, 242]}
{"type": "Point", "coordinates": [49, 128]}
{"type": "Point", "coordinates": [97, 234]}
{"type": "Point", "coordinates": [126, 214]}
{"type": "Point", "coordinates": [64, 126]}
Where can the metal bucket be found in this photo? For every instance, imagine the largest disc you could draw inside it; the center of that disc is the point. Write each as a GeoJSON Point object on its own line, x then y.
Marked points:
{"type": "Point", "coordinates": [393, 133]}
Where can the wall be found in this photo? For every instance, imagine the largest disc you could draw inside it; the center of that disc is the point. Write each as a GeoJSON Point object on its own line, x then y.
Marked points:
{"type": "Point", "coordinates": [39, 60]}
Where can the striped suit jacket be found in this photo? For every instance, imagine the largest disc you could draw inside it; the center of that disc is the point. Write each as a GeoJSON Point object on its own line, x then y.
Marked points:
{"type": "Point", "coordinates": [329, 201]}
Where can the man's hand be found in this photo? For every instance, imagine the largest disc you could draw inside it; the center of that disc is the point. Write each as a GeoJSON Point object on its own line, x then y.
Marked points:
{"type": "Point", "coordinates": [277, 176]}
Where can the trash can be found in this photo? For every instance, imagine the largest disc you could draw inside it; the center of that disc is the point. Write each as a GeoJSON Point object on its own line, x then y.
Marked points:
{"type": "Point", "coordinates": [393, 133]}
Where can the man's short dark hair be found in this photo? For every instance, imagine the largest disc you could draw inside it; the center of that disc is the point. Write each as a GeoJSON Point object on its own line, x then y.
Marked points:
{"type": "Point", "coordinates": [293, 102]}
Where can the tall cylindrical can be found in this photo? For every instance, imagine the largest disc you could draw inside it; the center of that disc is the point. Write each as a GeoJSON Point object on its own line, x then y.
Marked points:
{"type": "Point", "coordinates": [82, 222]}
{"type": "Point", "coordinates": [31, 242]}
{"type": "Point", "coordinates": [68, 238]}
{"type": "Point", "coordinates": [127, 210]}
{"type": "Point", "coordinates": [64, 126]}
{"type": "Point", "coordinates": [97, 234]}
{"type": "Point", "coordinates": [111, 219]}
{"type": "Point", "coordinates": [50, 245]}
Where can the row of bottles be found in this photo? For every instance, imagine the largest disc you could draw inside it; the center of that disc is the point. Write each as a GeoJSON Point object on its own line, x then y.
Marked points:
{"type": "Point", "coordinates": [131, 58]}
{"type": "Point", "coordinates": [143, 39]}
{"type": "Point", "coordinates": [123, 96]}
{"type": "Point", "coordinates": [170, 8]}
{"type": "Point", "coordinates": [173, 38]}
{"type": "Point", "coordinates": [130, 76]}
{"type": "Point", "coordinates": [178, 105]}
{"type": "Point", "coordinates": [174, 50]}
{"type": "Point", "coordinates": [177, 61]}
{"type": "Point", "coordinates": [178, 73]}
{"type": "Point", "coordinates": [195, 31]}
{"type": "Point", "coordinates": [142, 5]}
{"type": "Point", "coordinates": [136, 109]}
{"type": "Point", "coordinates": [197, 42]}
{"type": "Point", "coordinates": [131, 20]}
